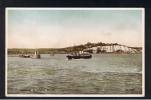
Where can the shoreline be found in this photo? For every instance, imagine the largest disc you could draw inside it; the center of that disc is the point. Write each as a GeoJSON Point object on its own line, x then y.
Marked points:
{"type": "Point", "coordinates": [17, 55]}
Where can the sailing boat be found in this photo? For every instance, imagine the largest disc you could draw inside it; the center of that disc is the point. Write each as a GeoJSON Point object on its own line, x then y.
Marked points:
{"type": "Point", "coordinates": [36, 55]}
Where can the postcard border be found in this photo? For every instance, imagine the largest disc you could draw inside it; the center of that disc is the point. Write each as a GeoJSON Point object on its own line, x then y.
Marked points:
{"type": "Point", "coordinates": [77, 95]}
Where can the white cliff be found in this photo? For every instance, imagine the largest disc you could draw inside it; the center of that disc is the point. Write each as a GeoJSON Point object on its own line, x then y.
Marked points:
{"type": "Point", "coordinates": [113, 48]}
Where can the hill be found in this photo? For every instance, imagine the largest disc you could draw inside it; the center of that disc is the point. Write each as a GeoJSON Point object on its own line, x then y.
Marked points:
{"type": "Point", "coordinates": [88, 47]}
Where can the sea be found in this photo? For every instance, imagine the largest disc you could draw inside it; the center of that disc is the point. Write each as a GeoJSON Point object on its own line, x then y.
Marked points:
{"type": "Point", "coordinates": [103, 74]}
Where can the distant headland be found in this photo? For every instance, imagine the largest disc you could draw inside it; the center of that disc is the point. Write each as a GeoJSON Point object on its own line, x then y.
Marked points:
{"type": "Point", "coordinates": [88, 47]}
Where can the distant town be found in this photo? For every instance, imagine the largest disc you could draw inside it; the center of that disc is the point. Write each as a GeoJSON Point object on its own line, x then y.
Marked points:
{"type": "Point", "coordinates": [94, 48]}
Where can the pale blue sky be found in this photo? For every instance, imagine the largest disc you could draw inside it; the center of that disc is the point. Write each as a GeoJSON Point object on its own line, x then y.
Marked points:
{"type": "Point", "coordinates": [62, 28]}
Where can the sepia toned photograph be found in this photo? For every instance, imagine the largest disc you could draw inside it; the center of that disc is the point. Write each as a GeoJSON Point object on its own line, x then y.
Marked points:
{"type": "Point", "coordinates": [72, 52]}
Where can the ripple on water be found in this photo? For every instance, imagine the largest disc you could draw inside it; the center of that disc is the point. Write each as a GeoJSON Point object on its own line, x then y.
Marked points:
{"type": "Point", "coordinates": [103, 74]}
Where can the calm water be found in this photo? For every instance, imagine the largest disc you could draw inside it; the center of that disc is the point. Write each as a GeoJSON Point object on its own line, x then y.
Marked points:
{"type": "Point", "coordinates": [103, 74]}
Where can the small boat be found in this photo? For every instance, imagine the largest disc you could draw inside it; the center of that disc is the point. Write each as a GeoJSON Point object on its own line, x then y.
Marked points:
{"type": "Point", "coordinates": [36, 55]}
{"type": "Point", "coordinates": [79, 56]}
{"type": "Point", "coordinates": [24, 56]}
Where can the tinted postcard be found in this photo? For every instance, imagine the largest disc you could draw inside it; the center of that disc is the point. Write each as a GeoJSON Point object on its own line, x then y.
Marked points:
{"type": "Point", "coordinates": [75, 52]}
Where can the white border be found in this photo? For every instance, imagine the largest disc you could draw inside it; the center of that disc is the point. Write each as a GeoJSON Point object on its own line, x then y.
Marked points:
{"type": "Point", "coordinates": [77, 95]}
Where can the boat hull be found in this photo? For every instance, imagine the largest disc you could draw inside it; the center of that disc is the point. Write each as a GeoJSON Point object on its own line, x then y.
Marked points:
{"type": "Point", "coordinates": [24, 56]}
{"type": "Point", "coordinates": [36, 57]}
{"type": "Point", "coordinates": [79, 57]}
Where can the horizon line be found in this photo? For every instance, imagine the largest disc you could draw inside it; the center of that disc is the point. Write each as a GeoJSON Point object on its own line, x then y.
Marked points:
{"type": "Point", "coordinates": [71, 46]}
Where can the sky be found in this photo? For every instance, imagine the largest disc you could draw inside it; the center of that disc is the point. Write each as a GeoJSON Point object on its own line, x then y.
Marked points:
{"type": "Point", "coordinates": [63, 28]}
